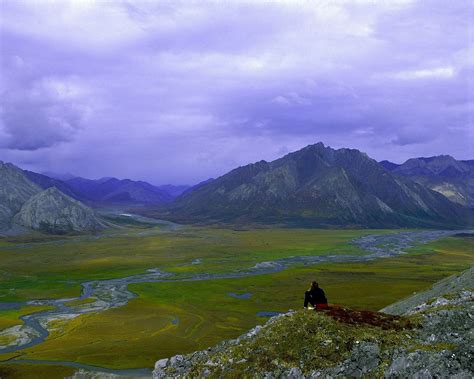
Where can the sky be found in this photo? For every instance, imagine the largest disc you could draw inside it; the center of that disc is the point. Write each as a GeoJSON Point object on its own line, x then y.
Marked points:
{"type": "Point", "coordinates": [177, 92]}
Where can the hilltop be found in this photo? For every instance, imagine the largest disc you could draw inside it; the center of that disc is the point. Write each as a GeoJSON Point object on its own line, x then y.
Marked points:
{"type": "Point", "coordinates": [427, 335]}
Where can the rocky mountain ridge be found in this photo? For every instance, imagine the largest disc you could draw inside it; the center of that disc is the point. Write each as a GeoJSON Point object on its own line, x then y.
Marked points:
{"type": "Point", "coordinates": [317, 186]}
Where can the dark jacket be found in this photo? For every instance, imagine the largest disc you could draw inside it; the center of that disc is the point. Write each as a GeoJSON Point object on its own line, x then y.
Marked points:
{"type": "Point", "coordinates": [315, 296]}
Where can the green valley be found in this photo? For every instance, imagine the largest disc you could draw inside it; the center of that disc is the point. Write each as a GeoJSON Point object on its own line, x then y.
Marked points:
{"type": "Point", "coordinates": [209, 292]}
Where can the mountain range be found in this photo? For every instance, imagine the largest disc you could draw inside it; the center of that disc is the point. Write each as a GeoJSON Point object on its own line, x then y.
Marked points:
{"type": "Point", "coordinates": [110, 191]}
{"type": "Point", "coordinates": [444, 174]}
{"type": "Point", "coordinates": [317, 186]}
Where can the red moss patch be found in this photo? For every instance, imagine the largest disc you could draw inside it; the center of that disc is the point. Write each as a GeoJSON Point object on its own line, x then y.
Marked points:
{"type": "Point", "coordinates": [382, 320]}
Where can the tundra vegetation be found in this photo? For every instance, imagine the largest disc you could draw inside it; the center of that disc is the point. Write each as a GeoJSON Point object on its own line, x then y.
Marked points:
{"type": "Point", "coordinates": [169, 318]}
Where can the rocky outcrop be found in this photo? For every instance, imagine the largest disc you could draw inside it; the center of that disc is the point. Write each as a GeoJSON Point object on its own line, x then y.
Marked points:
{"type": "Point", "coordinates": [456, 284]}
{"type": "Point", "coordinates": [15, 189]}
{"type": "Point", "coordinates": [429, 335]}
{"type": "Point", "coordinates": [53, 212]}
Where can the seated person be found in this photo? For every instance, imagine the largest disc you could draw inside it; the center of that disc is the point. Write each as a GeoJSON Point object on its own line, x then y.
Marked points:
{"type": "Point", "coordinates": [315, 296]}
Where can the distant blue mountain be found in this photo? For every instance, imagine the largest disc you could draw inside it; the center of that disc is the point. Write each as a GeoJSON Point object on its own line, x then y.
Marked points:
{"type": "Point", "coordinates": [118, 191]}
{"type": "Point", "coordinates": [59, 176]}
{"type": "Point", "coordinates": [173, 190]}
{"type": "Point", "coordinates": [110, 191]}
{"type": "Point", "coordinates": [46, 182]}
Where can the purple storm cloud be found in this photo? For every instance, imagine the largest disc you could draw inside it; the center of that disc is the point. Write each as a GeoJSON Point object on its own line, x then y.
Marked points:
{"type": "Point", "coordinates": [176, 92]}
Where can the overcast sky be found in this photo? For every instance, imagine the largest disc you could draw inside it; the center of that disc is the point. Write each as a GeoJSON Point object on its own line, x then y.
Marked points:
{"type": "Point", "coordinates": [176, 92]}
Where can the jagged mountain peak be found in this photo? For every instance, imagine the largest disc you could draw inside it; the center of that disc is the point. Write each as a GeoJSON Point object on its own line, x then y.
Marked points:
{"type": "Point", "coordinates": [327, 153]}
{"type": "Point", "coordinates": [317, 186]}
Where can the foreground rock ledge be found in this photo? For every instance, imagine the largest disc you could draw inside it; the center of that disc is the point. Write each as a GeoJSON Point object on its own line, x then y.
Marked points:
{"type": "Point", "coordinates": [428, 335]}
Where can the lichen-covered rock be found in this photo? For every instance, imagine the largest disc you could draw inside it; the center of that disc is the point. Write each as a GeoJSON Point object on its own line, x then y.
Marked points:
{"type": "Point", "coordinates": [365, 358]}
{"type": "Point", "coordinates": [424, 364]}
{"type": "Point", "coordinates": [293, 373]}
{"type": "Point", "coordinates": [161, 364]}
{"type": "Point", "coordinates": [54, 212]}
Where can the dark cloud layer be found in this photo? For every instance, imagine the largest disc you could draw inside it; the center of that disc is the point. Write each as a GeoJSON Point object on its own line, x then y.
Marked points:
{"type": "Point", "coordinates": [182, 91]}
{"type": "Point", "coordinates": [41, 114]}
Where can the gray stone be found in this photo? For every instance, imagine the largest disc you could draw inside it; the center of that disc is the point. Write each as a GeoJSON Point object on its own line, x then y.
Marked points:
{"type": "Point", "coordinates": [161, 364]}
{"type": "Point", "coordinates": [176, 360]}
{"type": "Point", "coordinates": [294, 373]}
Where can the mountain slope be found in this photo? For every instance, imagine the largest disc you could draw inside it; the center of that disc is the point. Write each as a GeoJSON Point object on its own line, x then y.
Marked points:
{"type": "Point", "coordinates": [173, 190]}
{"type": "Point", "coordinates": [389, 165]}
{"type": "Point", "coordinates": [15, 189]}
{"type": "Point", "coordinates": [317, 186]}
{"type": "Point", "coordinates": [54, 212]}
{"type": "Point", "coordinates": [444, 174]}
